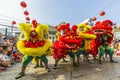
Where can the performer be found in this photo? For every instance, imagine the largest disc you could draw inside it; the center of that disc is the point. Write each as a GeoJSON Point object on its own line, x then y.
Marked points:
{"type": "Point", "coordinates": [103, 31]}
{"type": "Point", "coordinates": [34, 44]}
{"type": "Point", "coordinates": [85, 32]}
{"type": "Point", "coordinates": [81, 50]}
{"type": "Point", "coordinates": [104, 47]}
{"type": "Point", "coordinates": [38, 61]}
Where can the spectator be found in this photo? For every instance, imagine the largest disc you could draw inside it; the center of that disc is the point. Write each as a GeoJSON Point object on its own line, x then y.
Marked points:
{"type": "Point", "coordinates": [5, 42]}
{"type": "Point", "coordinates": [10, 45]}
{"type": "Point", "coordinates": [14, 48]}
{"type": "Point", "coordinates": [17, 56]}
{"type": "Point", "coordinates": [9, 54]}
{"type": "Point", "coordinates": [4, 59]}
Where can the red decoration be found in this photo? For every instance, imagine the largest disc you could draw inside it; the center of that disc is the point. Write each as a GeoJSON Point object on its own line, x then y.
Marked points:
{"type": "Point", "coordinates": [34, 23]}
{"type": "Point", "coordinates": [13, 22]}
{"type": "Point", "coordinates": [102, 13]}
{"type": "Point", "coordinates": [26, 13]}
{"type": "Point", "coordinates": [29, 44]}
{"type": "Point", "coordinates": [27, 18]}
{"type": "Point", "coordinates": [94, 19]}
{"type": "Point", "coordinates": [23, 4]}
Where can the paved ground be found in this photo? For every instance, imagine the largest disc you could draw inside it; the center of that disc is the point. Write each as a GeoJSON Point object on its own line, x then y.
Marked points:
{"type": "Point", "coordinates": [65, 71]}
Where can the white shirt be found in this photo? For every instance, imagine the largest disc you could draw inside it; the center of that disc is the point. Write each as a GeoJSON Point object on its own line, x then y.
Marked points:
{"type": "Point", "coordinates": [4, 57]}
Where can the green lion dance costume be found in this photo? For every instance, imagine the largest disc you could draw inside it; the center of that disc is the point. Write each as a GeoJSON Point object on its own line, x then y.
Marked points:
{"type": "Point", "coordinates": [34, 44]}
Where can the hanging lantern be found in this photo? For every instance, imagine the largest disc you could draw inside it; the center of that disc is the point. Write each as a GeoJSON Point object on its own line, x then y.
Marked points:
{"type": "Point", "coordinates": [26, 13]}
{"type": "Point", "coordinates": [102, 13]}
{"type": "Point", "coordinates": [23, 4]}
{"type": "Point", "coordinates": [13, 22]}
{"type": "Point", "coordinates": [27, 18]}
{"type": "Point", "coordinates": [94, 19]}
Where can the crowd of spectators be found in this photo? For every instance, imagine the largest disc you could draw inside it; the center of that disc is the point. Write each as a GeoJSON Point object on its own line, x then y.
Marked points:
{"type": "Point", "coordinates": [9, 55]}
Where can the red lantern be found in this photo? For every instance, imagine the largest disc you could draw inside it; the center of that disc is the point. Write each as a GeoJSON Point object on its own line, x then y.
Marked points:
{"type": "Point", "coordinates": [94, 19]}
{"type": "Point", "coordinates": [26, 13]}
{"type": "Point", "coordinates": [23, 4]}
{"type": "Point", "coordinates": [27, 18]}
{"type": "Point", "coordinates": [13, 22]}
{"type": "Point", "coordinates": [102, 13]}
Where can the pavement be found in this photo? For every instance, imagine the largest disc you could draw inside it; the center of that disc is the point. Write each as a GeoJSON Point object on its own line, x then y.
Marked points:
{"type": "Point", "coordinates": [65, 71]}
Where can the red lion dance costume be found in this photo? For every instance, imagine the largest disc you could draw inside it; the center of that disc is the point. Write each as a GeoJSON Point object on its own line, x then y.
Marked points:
{"type": "Point", "coordinates": [103, 30]}
{"type": "Point", "coordinates": [68, 41]}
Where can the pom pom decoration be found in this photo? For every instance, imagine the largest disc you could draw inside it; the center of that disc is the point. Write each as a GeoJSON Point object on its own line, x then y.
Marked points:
{"type": "Point", "coordinates": [27, 18]}
{"type": "Point", "coordinates": [34, 23]}
{"type": "Point", "coordinates": [23, 4]}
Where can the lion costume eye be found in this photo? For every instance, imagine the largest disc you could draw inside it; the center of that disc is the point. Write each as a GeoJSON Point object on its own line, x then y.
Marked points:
{"type": "Point", "coordinates": [22, 36]}
{"type": "Point", "coordinates": [80, 29]}
{"type": "Point", "coordinates": [45, 35]}
{"type": "Point", "coordinates": [33, 33]}
{"type": "Point", "coordinates": [63, 32]}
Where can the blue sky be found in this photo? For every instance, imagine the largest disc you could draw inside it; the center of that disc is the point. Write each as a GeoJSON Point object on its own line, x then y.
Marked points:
{"type": "Point", "coordinates": [54, 12]}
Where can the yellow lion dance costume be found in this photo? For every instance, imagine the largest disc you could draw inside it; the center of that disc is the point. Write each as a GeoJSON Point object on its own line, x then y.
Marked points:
{"type": "Point", "coordinates": [85, 32]}
{"type": "Point", "coordinates": [35, 42]}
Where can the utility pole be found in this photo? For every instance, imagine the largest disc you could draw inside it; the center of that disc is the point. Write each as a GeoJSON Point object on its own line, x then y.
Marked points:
{"type": "Point", "coordinates": [12, 30]}
{"type": "Point", "coordinates": [6, 32]}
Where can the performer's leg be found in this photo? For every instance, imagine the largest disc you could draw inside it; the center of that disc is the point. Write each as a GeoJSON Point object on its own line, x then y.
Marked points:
{"type": "Point", "coordinates": [85, 55]}
{"type": "Point", "coordinates": [26, 61]}
{"type": "Point", "coordinates": [41, 63]}
{"type": "Point", "coordinates": [64, 60]}
{"type": "Point", "coordinates": [78, 56]}
{"type": "Point", "coordinates": [108, 51]}
{"type": "Point", "coordinates": [101, 52]}
{"type": "Point", "coordinates": [71, 54]}
{"type": "Point", "coordinates": [45, 60]}
{"type": "Point", "coordinates": [37, 62]}
{"type": "Point", "coordinates": [56, 62]}
{"type": "Point", "coordinates": [95, 54]}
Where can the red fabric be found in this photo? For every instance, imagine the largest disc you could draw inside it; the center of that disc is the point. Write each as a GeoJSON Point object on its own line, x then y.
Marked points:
{"type": "Point", "coordinates": [31, 44]}
{"type": "Point", "coordinates": [16, 56]}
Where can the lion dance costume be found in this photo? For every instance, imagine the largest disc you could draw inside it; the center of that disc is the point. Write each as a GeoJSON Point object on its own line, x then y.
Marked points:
{"type": "Point", "coordinates": [67, 41]}
{"type": "Point", "coordinates": [103, 30]}
{"type": "Point", "coordinates": [85, 32]}
{"type": "Point", "coordinates": [34, 44]}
